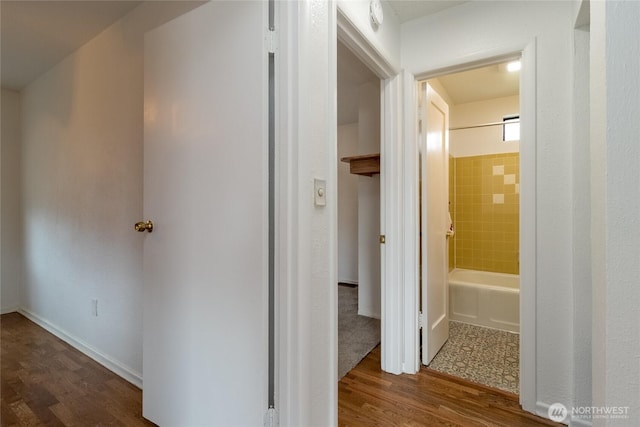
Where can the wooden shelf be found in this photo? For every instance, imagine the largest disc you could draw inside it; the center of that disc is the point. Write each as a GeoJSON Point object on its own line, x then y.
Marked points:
{"type": "Point", "coordinates": [368, 164]}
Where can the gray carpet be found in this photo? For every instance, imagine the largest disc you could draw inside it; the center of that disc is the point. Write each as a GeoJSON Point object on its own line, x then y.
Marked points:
{"type": "Point", "coordinates": [357, 335]}
{"type": "Point", "coordinates": [482, 355]}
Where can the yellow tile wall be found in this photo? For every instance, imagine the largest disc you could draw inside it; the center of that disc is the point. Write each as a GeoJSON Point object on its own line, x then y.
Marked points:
{"type": "Point", "coordinates": [486, 213]}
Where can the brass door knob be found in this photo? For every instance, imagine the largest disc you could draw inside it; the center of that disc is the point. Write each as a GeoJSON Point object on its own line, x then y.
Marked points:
{"type": "Point", "coordinates": [143, 226]}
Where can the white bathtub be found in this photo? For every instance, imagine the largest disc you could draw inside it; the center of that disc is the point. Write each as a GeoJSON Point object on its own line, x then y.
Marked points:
{"type": "Point", "coordinates": [485, 299]}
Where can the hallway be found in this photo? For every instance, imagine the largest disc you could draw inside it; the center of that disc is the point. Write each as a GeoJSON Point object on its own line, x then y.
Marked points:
{"type": "Point", "coordinates": [45, 381]}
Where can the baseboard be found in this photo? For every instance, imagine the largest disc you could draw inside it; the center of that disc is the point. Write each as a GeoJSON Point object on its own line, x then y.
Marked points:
{"type": "Point", "coordinates": [114, 366]}
{"type": "Point", "coordinates": [578, 422]}
{"type": "Point", "coordinates": [368, 314]}
{"type": "Point", "coordinates": [348, 285]}
{"type": "Point", "coordinates": [6, 310]}
{"type": "Point", "coordinates": [542, 410]}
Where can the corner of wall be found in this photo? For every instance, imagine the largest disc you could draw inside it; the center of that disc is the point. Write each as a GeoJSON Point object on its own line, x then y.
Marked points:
{"type": "Point", "coordinates": [105, 360]}
{"type": "Point", "coordinates": [385, 38]}
{"type": "Point", "coordinates": [10, 202]}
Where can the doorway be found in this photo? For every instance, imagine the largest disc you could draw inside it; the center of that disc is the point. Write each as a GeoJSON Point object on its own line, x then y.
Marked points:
{"type": "Point", "coordinates": [359, 274]}
{"type": "Point", "coordinates": [400, 333]}
{"type": "Point", "coordinates": [483, 223]}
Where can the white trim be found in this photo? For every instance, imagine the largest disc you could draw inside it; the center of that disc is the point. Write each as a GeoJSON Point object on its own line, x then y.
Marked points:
{"type": "Point", "coordinates": [370, 314]}
{"type": "Point", "coordinates": [528, 231]}
{"type": "Point", "coordinates": [391, 225]}
{"type": "Point", "coordinates": [411, 353]}
{"type": "Point", "coordinates": [349, 34]}
{"type": "Point", "coordinates": [111, 364]}
{"type": "Point", "coordinates": [290, 402]}
{"type": "Point", "coordinates": [8, 310]}
{"type": "Point", "coordinates": [271, 418]}
{"type": "Point", "coordinates": [476, 60]}
{"type": "Point", "coordinates": [332, 200]}
{"type": "Point", "coordinates": [411, 308]}
{"type": "Point", "coordinates": [528, 227]}
{"type": "Point", "coordinates": [542, 410]}
{"type": "Point", "coordinates": [391, 192]}
{"type": "Point", "coordinates": [579, 422]}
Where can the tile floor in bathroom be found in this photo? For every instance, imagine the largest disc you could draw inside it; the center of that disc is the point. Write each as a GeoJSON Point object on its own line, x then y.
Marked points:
{"type": "Point", "coordinates": [482, 355]}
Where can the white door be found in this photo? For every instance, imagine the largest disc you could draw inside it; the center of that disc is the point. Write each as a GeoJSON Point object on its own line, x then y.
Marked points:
{"type": "Point", "coordinates": [205, 188]}
{"type": "Point", "coordinates": [435, 188]}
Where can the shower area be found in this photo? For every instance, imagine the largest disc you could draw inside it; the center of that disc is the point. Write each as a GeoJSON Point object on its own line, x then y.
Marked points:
{"type": "Point", "coordinates": [483, 252]}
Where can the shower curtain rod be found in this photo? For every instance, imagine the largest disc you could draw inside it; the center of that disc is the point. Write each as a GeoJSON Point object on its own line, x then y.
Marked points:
{"type": "Point", "coordinates": [484, 125]}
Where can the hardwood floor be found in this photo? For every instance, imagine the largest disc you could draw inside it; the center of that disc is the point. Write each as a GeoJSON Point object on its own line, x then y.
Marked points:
{"type": "Point", "coordinates": [44, 381]}
{"type": "Point", "coordinates": [369, 397]}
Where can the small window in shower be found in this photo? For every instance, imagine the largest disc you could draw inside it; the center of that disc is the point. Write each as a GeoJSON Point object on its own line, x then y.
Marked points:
{"type": "Point", "coordinates": [511, 128]}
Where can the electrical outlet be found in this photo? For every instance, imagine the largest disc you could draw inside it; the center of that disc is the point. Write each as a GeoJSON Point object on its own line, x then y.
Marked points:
{"type": "Point", "coordinates": [94, 307]}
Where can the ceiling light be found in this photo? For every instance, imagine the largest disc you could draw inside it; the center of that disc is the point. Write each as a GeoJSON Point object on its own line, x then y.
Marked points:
{"type": "Point", "coordinates": [514, 66]}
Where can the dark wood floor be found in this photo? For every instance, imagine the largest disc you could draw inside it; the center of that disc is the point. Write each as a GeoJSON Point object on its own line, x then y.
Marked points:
{"type": "Point", "coordinates": [44, 381]}
{"type": "Point", "coordinates": [369, 397]}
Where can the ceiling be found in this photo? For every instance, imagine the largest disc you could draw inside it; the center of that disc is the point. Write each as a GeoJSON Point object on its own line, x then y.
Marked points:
{"type": "Point", "coordinates": [36, 35]}
{"type": "Point", "coordinates": [481, 84]}
{"type": "Point", "coordinates": [412, 9]}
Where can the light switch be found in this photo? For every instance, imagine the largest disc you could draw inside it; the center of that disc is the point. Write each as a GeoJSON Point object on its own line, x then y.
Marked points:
{"type": "Point", "coordinates": [320, 192]}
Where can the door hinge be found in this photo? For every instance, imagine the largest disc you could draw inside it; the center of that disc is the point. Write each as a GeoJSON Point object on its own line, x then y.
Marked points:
{"type": "Point", "coordinates": [420, 320]}
{"type": "Point", "coordinates": [382, 239]}
{"type": "Point", "coordinates": [271, 418]}
{"type": "Point", "coordinates": [271, 39]}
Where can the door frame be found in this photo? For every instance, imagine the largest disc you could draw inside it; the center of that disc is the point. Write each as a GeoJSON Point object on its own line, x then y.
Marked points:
{"type": "Point", "coordinates": [526, 49]}
{"type": "Point", "coordinates": [305, 392]}
{"type": "Point", "coordinates": [391, 179]}
{"type": "Point", "coordinates": [398, 219]}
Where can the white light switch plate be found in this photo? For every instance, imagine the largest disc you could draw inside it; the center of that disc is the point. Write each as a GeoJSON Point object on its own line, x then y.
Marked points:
{"type": "Point", "coordinates": [320, 192]}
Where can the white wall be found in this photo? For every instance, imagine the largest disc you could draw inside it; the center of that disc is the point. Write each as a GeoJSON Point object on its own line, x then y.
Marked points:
{"type": "Point", "coordinates": [347, 206]}
{"type": "Point", "coordinates": [457, 35]}
{"type": "Point", "coordinates": [615, 206]}
{"type": "Point", "coordinates": [11, 219]}
{"type": "Point", "coordinates": [82, 190]}
{"type": "Point", "coordinates": [484, 140]}
{"type": "Point", "coordinates": [385, 38]}
{"type": "Point", "coordinates": [369, 302]}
